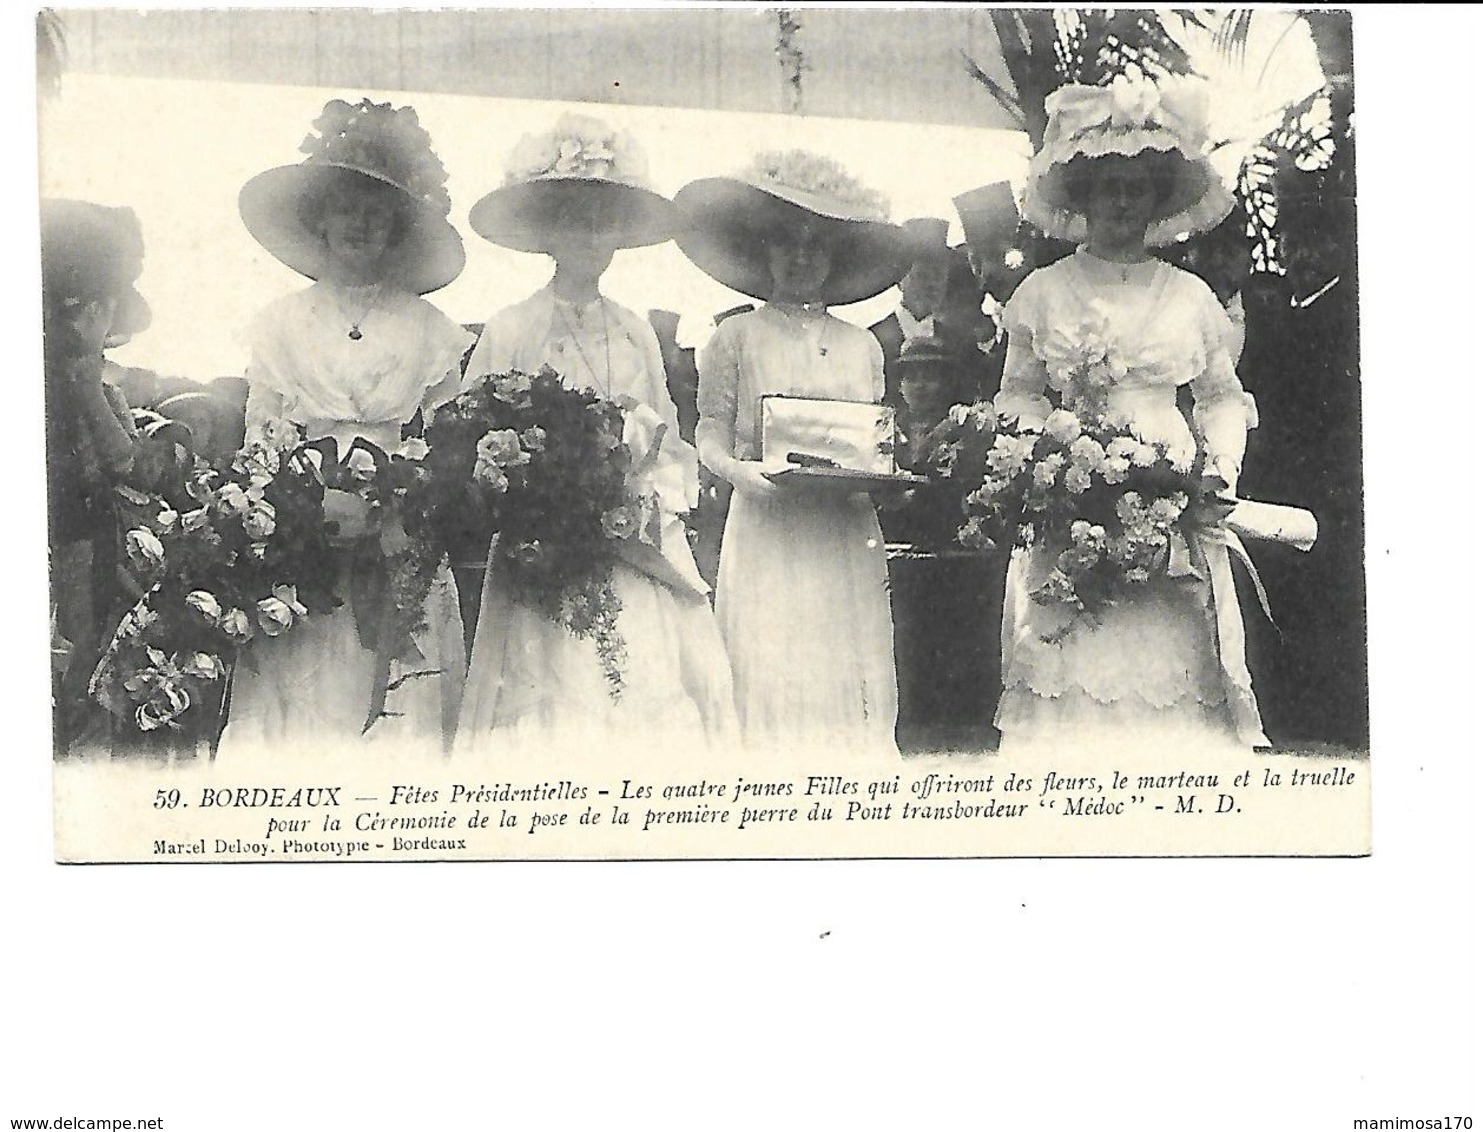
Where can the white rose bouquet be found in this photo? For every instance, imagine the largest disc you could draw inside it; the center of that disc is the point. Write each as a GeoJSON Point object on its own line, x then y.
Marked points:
{"type": "Point", "coordinates": [1109, 505]}
{"type": "Point", "coordinates": [221, 558]}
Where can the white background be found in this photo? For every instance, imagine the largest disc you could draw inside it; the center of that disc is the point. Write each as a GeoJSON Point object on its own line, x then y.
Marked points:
{"type": "Point", "coordinates": [120, 131]}
{"type": "Point", "coordinates": [1178, 994]}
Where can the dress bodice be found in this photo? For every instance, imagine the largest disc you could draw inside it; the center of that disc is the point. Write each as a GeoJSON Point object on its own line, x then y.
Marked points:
{"type": "Point", "coordinates": [783, 349]}
{"type": "Point", "coordinates": [1162, 328]}
{"type": "Point", "coordinates": [308, 365]}
{"type": "Point", "coordinates": [605, 348]}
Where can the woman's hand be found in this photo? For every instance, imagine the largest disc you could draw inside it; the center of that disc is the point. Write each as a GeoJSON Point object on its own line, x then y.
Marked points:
{"type": "Point", "coordinates": [349, 513]}
{"type": "Point", "coordinates": [750, 477]}
{"type": "Point", "coordinates": [89, 324]}
{"type": "Point", "coordinates": [1217, 489]}
{"type": "Point", "coordinates": [1218, 478]}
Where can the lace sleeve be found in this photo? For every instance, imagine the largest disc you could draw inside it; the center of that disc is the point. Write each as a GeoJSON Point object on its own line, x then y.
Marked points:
{"type": "Point", "coordinates": [445, 342]}
{"type": "Point", "coordinates": [1223, 410]}
{"type": "Point", "coordinates": [264, 402]}
{"type": "Point", "coordinates": [677, 478]}
{"type": "Point", "coordinates": [495, 350]}
{"type": "Point", "coordinates": [719, 366]}
{"type": "Point", "coordinates": [1022, 389]}
{"type": "Point", "coordinates": [266, 399]}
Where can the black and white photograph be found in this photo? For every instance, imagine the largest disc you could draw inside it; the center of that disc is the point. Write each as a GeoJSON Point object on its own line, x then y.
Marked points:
{"type": "Point", "coordinates": [609, 545]}
{"type": "Point", "coordinates": [716, 448]}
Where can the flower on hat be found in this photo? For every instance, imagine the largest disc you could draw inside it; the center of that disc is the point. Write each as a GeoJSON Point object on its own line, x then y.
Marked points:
{"type": "Point", "coordinates": [578, 146]}
{"type": "Point", "coordinates": [810, 173]}
{"type": "Point", "coordinates": [375, 138]}
{"type": "Point", "coordinates": [1177, 104]}
{"type": "Point", "coordinates": [1130, 116]}
{"type": "Point", "coordinates": [1133, 101]}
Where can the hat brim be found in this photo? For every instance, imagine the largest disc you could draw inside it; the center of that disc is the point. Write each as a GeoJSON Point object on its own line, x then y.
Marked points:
{"type": "Point", "coordinates": [526, 216]}
{"type": "Point", "coordinates": [428, 254]}
{"type": "Point", "coordinates": [1197, 202]}
{"type": "Point", "coordinates": [132, 315]}
{"type": "Point", "coordinates": [723, 219]}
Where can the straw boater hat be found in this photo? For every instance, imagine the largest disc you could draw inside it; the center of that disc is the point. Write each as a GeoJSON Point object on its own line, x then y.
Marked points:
{"type": "Point", "coordinates": [725, 218]}
{"type": "Point", "coordinates": [371, 142]}
{"type": "Point", "coordinates": [1128, 118]}
{"type": "Point", "coordinates": [90, 251]}
{"type": "Point", "coordinates": [580, 163]}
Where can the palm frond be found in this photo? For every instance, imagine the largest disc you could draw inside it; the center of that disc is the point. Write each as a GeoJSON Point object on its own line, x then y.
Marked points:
{"type": "Point", "coordinates": [1003, 96]}
{"type": "Point", "coordinates": [1232, 33]}
{"type": "Point", "coordinates": [1097, 45]}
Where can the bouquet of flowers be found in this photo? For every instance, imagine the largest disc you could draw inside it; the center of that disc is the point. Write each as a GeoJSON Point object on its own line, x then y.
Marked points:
{"type": "Point", "coordinates": [389, 568]}
{"type": "Point", "coordinates": [540, 471]}
{"type": "Point", "coordinates": [221, 557]}
{"type": "Point", "coordinates": [1110, 506]}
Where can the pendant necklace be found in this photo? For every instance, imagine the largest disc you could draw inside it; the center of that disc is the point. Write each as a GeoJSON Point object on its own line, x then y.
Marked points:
{"type": "Point", "coordinates": [1124, 268]}
{"type": "Point", "coordinates": [355, 334]}
{"type": "Point", "coordinates": [803, 322]}
{"type": "Point", "coordinates": [606, 386]}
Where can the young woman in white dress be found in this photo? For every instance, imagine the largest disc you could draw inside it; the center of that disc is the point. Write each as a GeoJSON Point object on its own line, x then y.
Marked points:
{"type": "Point", "coordinates": [578, 194]}
{"type": "Point", "coordinates": [1121, 171]}
{"type": "Point", "coordinates": [359, 354]}
{"type": "Point", "coordinates": [802, 592]}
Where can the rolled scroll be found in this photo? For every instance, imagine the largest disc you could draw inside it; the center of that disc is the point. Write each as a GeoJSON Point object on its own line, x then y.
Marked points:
{"type": "Point", "coordinates": [1273, 522]}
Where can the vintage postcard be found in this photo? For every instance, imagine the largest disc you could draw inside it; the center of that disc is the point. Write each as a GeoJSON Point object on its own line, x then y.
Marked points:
{"type": "Point", "coordinates": [703, 433]}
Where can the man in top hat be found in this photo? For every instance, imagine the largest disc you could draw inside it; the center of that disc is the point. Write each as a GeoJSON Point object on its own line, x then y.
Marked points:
{"type": "Point", "coordinates": [932, 341]}
{"type": "Point", "coordinates": [922, 294]}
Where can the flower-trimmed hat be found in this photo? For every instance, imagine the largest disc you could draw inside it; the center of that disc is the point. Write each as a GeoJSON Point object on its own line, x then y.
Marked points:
{"type": "Point", "coordinates": [1129, 117]}
{"type": "Point", "coordinates": [91, 251]}
{"type": "Point", "coordinates": [581, 163]}
{"type": "Point", "coordinates": [723, 218]}
{"type": "Point", "coordinates": [375, 142]}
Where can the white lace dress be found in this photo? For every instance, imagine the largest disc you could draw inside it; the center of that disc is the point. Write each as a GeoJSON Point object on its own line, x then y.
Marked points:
{"type": "Point", "coordinates": [531, 683]}
{"type": "Point", "coordinates": [802, 594]}
{"type": "Point", "coordinates": [1167, 665]}
{"type": "Point", "coordinates": [311, 688]}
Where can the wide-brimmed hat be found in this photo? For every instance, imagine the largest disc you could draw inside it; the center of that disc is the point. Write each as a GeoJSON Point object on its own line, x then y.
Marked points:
{"type": "Point", "coordinates": [581, 164]}
{"type": "Point", "coordinates": [1129, 118]}
{"type": "Point", "coordinates": [372, 142]}
{"type": "Point", "coordinates": [93, 251]}
{"type": "Point", "coordinates": [724, 221]}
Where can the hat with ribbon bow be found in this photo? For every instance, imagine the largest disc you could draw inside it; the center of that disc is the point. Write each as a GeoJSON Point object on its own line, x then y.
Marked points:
{"type": "Point", "coordinates": [1128, 118]}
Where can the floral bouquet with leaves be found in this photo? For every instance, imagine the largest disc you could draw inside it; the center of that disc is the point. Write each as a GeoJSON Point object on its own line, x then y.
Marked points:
{"type": "Point", "coordinates": [390, 560]}
{"type": "Point", "coordinates": [1110, 506]}
{"type": "Point", "coordinates": [539, 471]}
{"type": "Point", "coordinates": [222, 557]}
